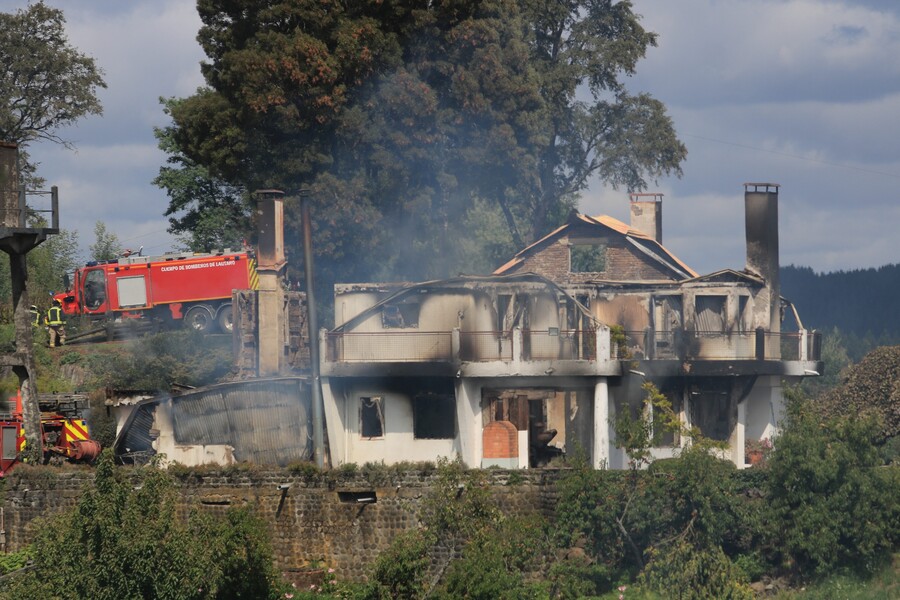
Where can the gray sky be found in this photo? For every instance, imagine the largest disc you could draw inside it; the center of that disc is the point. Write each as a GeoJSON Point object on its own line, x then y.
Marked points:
{"type": "Point", "coordinates": [804, 93]}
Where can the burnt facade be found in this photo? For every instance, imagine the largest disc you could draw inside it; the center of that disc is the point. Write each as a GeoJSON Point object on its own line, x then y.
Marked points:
{"type": "Point", "coordinates": [537, 359]}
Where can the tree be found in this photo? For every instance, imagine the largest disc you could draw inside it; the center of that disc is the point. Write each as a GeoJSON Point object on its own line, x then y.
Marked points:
{"type": "Point", "coordinates": [106, 245]}
{"type": "Point", "coordinates": [208, 212]}
{"type": "Point", "coordinates": [830, 504]}
{"type": "Point", "coordinates": [411, 121]}
{"type": "Point", "coordinates": [45, 83]}
{"type": "Point", "coordinates": [584, 48]}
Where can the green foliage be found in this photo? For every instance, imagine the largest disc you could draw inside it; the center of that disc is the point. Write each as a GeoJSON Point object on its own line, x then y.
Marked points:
{"type": "Point", "coordinates": [400, 572]}
{"type": "Point", "coordinates": [836, 362]}
{"type": "Point", "coordinates": [47, 265]}
{"type": "Point", "coordinates": [126, 541]}
{"type": "Point", "coordinates": [460, 514]}
{"type": "Point", "coordinates": [860, 303]}
{"type": "Point", "coordinates": [494, 564]}
{"type": "Point", "coordinates": [304, 468]}
{"type": "Point", "coordinates": [869, 388]}
{"type": "Point", "coordinates": [587, 259]}
{"type": "Point", "coordinates": [884, 585]}
{"type": "Point", "coordinates": [413, 124]}
{"type": "Point", "coordinates": [71, 358]}
{"type": "Point", "coordinates": [688, 572]}
{"type": "Point", "coordinates": [155, 362]}
{"type": "Point", "coordinates": [832, 506]}
{"type": "Point", "coordinates": [622, 520]}
{"type": "Point", "coordinates": [13, 561]}
{"type": "Point", "coordinates": [208, 212]}
{"type": "Point", "coordinates": [460, 504]}
{"type": "Point", "coordinates": [45, 83]}
{"type": "Point", "coordinates": [573, 579]}
{"type": "Point", "coordinates": [101, 420]}
{"type": "Point", "coordinates": [700, 499]}
{"type": "Point", "coordinates": [589, 502]}
{"type": "Point", "coordinates": [637, 434]}
{"type": "Point", "coordinates": [106, 244]}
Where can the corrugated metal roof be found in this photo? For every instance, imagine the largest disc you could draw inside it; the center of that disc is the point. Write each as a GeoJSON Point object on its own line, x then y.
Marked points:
{"type": "Point", "coordinates": [266, 421]}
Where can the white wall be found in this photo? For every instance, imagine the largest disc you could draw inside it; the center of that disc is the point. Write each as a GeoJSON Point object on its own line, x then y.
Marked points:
{"type": "Point", "coordinates": [398, 443]}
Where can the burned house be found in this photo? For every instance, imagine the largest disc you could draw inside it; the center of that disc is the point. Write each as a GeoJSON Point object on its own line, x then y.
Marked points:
{"type": "Point", "coordinates": [535, 360]}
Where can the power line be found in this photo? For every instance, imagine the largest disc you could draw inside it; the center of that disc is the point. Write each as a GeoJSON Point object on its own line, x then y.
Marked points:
{"type": "Point", "coordinates": [795, 156]}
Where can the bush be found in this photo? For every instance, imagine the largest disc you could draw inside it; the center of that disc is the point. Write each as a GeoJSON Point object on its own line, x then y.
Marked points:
{"type": "Point", "coordinates": [156, 362]}
{"type": "Point", "coordinates": [400, 572]}
{"type": "Point", "coordinates": [125, 541]}
{"type": "Point", "coordinates": [494, 563]}
{"type": "Point", "coordinates": [688, 572]}
{"type": "Point", "coordinates": [832, 505]}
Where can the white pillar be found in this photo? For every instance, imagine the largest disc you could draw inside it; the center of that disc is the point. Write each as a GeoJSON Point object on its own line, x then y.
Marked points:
{"type": "Point", "coordinates": [685, 416]}
{"type": "Point", "coordinates": [604, 344]}
{"type": "Point", "coordinates": [468, 419]}
{"type": "Point", "coordinates": [601, 437]}
{"type": "Point", "coordinates": [740, 435]}
{"type": "Point", "coordinates": [523, 449]}
{"type": "Point", "coordinates": [334, 422]}
{"type": "Point", "coordinates": [518, 348]}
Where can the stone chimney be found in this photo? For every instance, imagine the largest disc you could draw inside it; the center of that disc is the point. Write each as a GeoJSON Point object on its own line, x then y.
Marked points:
{"type": "Point", "coordinates": [646, 214]}
{"type": "Point", "coordinates": [761, 214]}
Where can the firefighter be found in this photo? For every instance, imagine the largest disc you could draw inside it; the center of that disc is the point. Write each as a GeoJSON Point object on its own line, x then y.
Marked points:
{"type": "Point", "coordinates": [56, 325]}
{"type": "Point", "coordinates": [35, 316]}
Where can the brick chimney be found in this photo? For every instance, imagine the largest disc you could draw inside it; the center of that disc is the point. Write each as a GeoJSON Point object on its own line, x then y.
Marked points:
{"type": "Point", "coordinates": [761, 214]}
{"type": "Point", "coordinates": [646, 214]}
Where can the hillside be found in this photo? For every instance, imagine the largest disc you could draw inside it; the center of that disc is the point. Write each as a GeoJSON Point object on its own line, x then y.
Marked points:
{"type": "Point", "coordinates": [862, 303]}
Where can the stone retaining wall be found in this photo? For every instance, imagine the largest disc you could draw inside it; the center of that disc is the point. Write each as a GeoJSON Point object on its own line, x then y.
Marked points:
{"type": "Point", "coordinates": [326, 520]}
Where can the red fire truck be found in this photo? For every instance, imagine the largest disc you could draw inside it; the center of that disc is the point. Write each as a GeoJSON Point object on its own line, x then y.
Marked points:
{"type": "Point", "coordinates": [194, 287]}
{"type": "Point", "coordinates": [64, 431]}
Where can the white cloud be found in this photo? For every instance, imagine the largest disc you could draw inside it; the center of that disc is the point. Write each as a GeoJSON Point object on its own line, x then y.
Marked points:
{"type": "Point", "coordinates": [804, 93]}
{"type": "Point", "coordinates": [765, 50]}
{"type": "Point", "coordinates": [800, 92]}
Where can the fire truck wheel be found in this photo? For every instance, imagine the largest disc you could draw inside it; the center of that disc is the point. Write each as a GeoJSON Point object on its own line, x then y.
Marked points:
{"type": "Point", "coordinates": [224, 319]}
{"type": "Point", "coordinates": [199, 318]}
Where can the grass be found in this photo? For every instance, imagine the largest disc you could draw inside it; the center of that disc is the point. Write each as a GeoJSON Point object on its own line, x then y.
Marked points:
{"type": "Point", "coordinates": [884, 585]}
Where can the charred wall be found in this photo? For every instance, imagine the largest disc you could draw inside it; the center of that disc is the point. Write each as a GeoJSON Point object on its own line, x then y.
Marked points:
{"type": "Point", "coordinates": [246, 333]}
{"type": "Point", "coordinates": [623, 263]}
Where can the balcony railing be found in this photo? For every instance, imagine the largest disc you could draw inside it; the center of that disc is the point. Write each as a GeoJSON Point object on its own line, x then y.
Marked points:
{"type": "Point", "coordinates": [15, 208]}
{"type": "Point", "coordinates": [486, 345]}
{"type": "Point", "coordinates": [555, 344]}
{"type": "Point", "coordinates": [717, 345]}
{"type": "Point", "coordinates": [390, 346]}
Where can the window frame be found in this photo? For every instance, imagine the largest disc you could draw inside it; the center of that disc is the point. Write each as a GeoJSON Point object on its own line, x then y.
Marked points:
{"type": "Point", "coordinates": [377, 403]}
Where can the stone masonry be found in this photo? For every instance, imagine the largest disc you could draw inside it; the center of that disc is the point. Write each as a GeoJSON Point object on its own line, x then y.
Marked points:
{"type": "Point", "coordinates": [324, 519]}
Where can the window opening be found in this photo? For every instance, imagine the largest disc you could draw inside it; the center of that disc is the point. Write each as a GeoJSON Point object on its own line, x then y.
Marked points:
{"type": "Point", "coordinates": [713, 412]}
{"type": "Point", "coordinates": [584, 258]}
{"type": "Point", "coordinates": [434, 417]}
{"type": "Point", "coordinates": [503, 303]}
{"type": "Point", "coordinates": [711, 313]}
{"type": "Point", "coordinates": [371, 417]}
{"type": "Point", "coordinates": [395, 316]}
